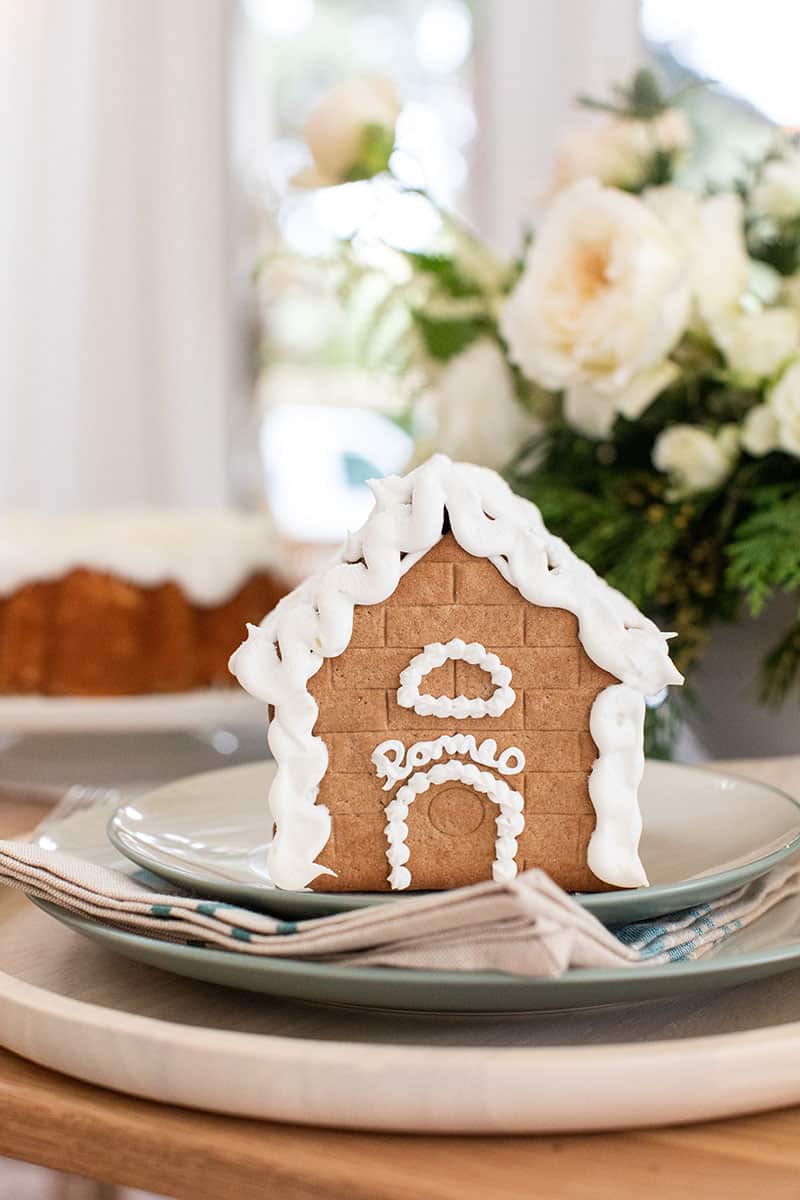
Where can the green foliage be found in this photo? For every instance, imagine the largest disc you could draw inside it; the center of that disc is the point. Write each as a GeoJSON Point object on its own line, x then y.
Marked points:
{"type": "Point", "coordinates": [764, 553]}
{"type": "Point", "coordinates": [643, 99]}
{"type": "Point", "coordinates": [446, 272]}
{"type": "Point", "coordinates": [687, 564]}
{"type": "Point", "coordinates": [779, 246]}
{"type": "Point", "coordinates": [607, 501]}
{"type": "Point", "coordinates": [377, 143]}
{"type": "Point", "coordinates": [444, 337]}
{"type": "Point", "coordinates": [644, 95]}
{"type": "Point", "coordinates": [630, 544]}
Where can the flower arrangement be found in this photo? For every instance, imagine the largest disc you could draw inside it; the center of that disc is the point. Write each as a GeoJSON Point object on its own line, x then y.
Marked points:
{"type": "Point", "coordinates": [637, 369]}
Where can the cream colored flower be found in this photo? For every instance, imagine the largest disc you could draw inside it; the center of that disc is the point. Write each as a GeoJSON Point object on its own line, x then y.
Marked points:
{"type": "Point", "coordinates": [777, 193]}
{"type": "Point", "coordinates": [757, 344]}
{"type": "Point", "coordinates": [710, 234]}
{"type": "Point", "coordinates": [603, 296]}
{"type": "Point", "coordinates": [351, 132]}
{"type": "Point", "coordinates": [619, 151]}
{"type": "Point", "coordinates": [479, 419]}
{"type": "Point", "coordinates": [759, 433]}
{"type": "Point", "coordinates": [593, 412]}
{"type": "Point", "coordinates": [784, 402]}
{"type": "Point", "coordinates": [694, 459]}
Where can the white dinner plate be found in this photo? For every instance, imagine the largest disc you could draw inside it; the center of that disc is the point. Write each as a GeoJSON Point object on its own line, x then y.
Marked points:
{"type": "Point", "coordinates": [705, 834]}
{"type": "Point", "coordinates": [75, 1007]}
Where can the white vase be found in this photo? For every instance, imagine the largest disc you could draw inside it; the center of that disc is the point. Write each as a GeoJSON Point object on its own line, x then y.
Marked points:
{"type": "Point", "coordinates": [729, 720]}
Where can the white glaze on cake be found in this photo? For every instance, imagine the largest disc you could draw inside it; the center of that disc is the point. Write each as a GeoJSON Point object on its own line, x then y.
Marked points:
{"type": "Point", "coordinates": [458, 707]}
{"type": "Point", "coordinates": [209, 554]}
{"type": "Point", "coordinates": [315, 622]}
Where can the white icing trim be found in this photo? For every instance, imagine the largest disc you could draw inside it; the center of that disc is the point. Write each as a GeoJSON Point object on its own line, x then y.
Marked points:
{"type": "Point", "coordinates": [316, 621]}
{"type": "Point", "coordinates": [510, 822]}
{"type": "Point", "coordinates": [435, 655]}
{"type": "Point", "coordinates": [616, 723]}
{"type": "Point", "coordinates": [404, 761]}
{"type": "Point", "coordinates": [209, 554]}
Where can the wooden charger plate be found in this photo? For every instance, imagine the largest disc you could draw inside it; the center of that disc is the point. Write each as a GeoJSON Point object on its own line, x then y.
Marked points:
{"type": "Point", "coordinates": [76, 1008]}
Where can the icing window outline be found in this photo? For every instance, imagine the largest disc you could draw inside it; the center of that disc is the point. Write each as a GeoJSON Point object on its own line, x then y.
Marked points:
{"type": "Point", "coordinates": [436, 654]}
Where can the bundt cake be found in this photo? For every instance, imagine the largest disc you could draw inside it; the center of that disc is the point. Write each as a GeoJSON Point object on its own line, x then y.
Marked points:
{"type": "Point", "coordinates": [123, 603]}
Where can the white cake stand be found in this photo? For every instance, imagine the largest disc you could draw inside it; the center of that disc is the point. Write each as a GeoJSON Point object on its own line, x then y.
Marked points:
{"type": "Point", "coordinates": [127, 742]}
{"type": "Point", "coordinates": [208, 708]}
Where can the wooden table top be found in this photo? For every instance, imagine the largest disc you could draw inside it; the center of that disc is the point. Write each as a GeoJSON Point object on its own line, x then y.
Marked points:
{"type": "Point", "coordinates": [58, 1122]}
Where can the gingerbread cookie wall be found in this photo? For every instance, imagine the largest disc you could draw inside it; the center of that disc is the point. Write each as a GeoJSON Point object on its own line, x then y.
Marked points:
{"type": "Point", "coordinates": [451, 827]}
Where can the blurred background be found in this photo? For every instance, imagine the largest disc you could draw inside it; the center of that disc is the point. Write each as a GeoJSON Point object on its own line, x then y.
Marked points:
{"type": "Point", "coordinates": [180, 328]}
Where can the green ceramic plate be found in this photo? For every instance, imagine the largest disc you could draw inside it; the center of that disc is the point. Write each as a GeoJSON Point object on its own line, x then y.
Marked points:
{"type": "Point", "coordinates": [705, 834]}
{"type": "Point", "coordinates": [769, 947]}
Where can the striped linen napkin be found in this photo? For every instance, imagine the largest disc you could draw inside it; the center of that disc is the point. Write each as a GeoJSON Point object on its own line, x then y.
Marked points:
{"type": "Point", "coordinates": [528, 927]}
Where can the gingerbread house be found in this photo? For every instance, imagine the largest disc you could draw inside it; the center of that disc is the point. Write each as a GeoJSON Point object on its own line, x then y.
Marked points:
{"type": "Point", "coordinates": [457, 697]}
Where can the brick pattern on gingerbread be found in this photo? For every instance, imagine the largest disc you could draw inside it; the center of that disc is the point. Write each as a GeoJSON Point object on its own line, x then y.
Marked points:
{"type": "Point", "coordinates": [451, 839]}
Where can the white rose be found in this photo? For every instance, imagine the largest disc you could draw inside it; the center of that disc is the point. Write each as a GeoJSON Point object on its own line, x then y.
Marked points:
{"type": "Point", "coordinates": [760, 431]}
{"type": "Point", "coordinates": [603, 295]}
{"type": "Point", "coordinates": [694, 459]}
{"type": "Point", "coordinates": [618, 150]}
{"type": "Point", "coordinates": [784, 401]}
{"type": "Point", "coordinates": [479, 418]}
{"type": "Point", "coordinates": [351, 132]}
{"type": "Point", "coordinates": [777, 193]}
{"type": "Point", "coordinates": [757, 344]}
{"type": "Point", "coordinates": [710, 234]}
{"type": "Point", "coordinates": [593, 412]}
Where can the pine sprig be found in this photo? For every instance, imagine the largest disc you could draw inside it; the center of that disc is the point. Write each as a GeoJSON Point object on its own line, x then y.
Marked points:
{"type": "Point", "coordinates": [609, 504]}
{"type": "Point", "coordinates": [764, 555]}
{"type": "Point", "coordinates": [630, 545]}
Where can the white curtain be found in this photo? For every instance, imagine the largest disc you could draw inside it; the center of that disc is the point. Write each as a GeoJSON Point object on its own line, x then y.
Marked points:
{"type": "Point", "coordinates": [534, 57]}
{"type": "Point", "coordinates": [116, 363]}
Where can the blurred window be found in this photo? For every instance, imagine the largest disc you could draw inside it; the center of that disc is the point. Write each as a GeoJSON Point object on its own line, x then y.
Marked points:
{"type": "Point", "coordinates": [334, 365]}
{"type": "Point", "coordinates": [747, 53]}
{"type": "Point", "coordinates": [293, 52]}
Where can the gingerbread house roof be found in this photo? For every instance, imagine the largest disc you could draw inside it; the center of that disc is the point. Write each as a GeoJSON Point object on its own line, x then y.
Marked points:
{"type": "Point", "coordinates": [315, 621]}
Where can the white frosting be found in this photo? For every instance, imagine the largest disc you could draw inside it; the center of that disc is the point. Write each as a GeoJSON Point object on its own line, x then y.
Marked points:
{"type": "Point", "coordinates": [315, 622]}
{"type": "Point", "coordinates": [436, 655]}
{"type": "Point", "coordinates": [616, 723]}
{"type": "Point", "coordinates": [404, 761]}
{"type": "Point", "coordinates": [510, 823]}
{"type": "Point", "coordinates": [210, 554]}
